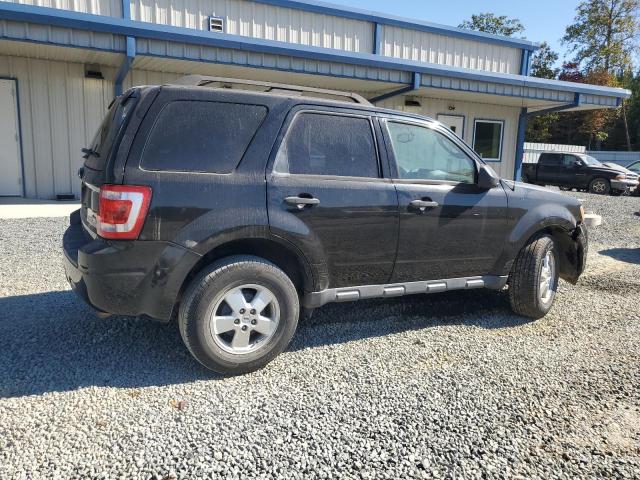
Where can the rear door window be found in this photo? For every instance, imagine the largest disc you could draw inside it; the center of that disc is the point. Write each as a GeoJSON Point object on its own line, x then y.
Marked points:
{"type": "Point", "coordinates": [328, 144]}
{"type": "Point", "coordinates": [200, 136]}
{"type": "Point", "coordinates": [549, 159]}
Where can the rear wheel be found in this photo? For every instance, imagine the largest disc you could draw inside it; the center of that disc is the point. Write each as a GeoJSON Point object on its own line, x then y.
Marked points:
{"type": "Point", "coordinates": [239, 314]}
{"type": "Point", "coordinates": [600, 186]}
{"type": "Point", "coordinates": [534, 278]}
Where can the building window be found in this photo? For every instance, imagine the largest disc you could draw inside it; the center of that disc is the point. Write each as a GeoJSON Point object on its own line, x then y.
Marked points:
{"type": "Point", "coordinates": [487, 139]}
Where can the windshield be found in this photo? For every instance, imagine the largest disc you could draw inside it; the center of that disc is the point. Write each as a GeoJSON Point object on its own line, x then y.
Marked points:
{"type": "Point", "coordinates": [105, 137]}
{"type": "Point", "coordinates": [589, 160]}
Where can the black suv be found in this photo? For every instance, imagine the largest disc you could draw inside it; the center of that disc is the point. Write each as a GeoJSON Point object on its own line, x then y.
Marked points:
{"type": "Point", "coordinates": [236, 211]}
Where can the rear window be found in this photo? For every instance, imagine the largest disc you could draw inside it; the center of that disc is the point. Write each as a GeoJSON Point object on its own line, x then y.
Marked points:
{"type": "Point", "coordinates": [197, 136]}
{"type": "Point", "coordinates": [107, 134]}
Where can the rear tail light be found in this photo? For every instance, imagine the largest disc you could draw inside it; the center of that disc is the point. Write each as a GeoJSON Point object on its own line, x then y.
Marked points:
{"type": "Point", "coordinates": [123, 209]}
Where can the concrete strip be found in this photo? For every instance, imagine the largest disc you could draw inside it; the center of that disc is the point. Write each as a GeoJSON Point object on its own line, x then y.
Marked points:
{"type": "Point", "coordinates": [29, 208]}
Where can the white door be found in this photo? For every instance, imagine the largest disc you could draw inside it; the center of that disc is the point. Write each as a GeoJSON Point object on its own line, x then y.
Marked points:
{"type": "Point", "coordinates": [454, 122]}
{"type": "Point", "coordinates": [10, 165]}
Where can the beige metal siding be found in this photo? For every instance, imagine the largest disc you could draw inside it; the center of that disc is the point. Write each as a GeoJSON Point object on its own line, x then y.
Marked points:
{"type": "Point", "coordinates": [431, 107]}
{"type": "Point", "coordinates": [46, 34]}
{"type": "Point", "coordinates": [256, 20]}
{"type": "Point", "coordinates": [59, 111]}
{"type": "Point", "coordinates": [451, 51]}
{"type": "Point", "coordinates": [156, 48]}
{"type": "Point", "coordinates": [111, 8]}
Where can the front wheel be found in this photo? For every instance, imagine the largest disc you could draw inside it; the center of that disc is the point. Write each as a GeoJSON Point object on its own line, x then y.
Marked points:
{"type": "Point", "coordinates": [534, 278]}
{"type": "Point", "coordinates": [600, 186]}
{"type": "Point", "coordinates": [238, 314]}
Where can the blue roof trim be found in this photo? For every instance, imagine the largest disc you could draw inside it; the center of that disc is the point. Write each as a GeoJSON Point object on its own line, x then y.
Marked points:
{"type": "Point", "coordinates": [396, 21]}
{"type": "Point", "coordinates": [119, 26]}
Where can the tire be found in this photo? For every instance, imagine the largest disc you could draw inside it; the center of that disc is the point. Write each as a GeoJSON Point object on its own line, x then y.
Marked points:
{"type": "Point", "coordinates": [526, 294]}
{"type": "Point", "coordinates": [600, 186]}
{"type": "Point", "coordinates": [225, 340]}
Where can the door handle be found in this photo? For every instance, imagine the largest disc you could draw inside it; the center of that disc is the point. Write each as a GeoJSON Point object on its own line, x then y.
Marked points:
{"type": "Point", "coordinates": [302, 202]}
{"type": "Point", "coordinates": [422, 205]}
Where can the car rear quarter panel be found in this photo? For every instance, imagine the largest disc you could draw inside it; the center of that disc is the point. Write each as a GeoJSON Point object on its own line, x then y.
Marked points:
{"type": "Point", "coordinates": [202, 210]}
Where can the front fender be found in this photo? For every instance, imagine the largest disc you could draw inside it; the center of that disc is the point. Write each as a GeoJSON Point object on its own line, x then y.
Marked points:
{"type": "Point", "coordinates": [533, 210]}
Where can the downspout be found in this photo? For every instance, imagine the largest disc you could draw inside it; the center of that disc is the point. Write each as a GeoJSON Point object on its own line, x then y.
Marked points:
{"type": "Point", "coordinates": [415, 85]}
{"type": "Point", "coordinates": [126, 65]}
{"type": "Point", "coordinates": [130, 53]}
{"type": "Point", "coordinates": [522, 129]}
{"type": "Point", "coordinates": [525, 65]}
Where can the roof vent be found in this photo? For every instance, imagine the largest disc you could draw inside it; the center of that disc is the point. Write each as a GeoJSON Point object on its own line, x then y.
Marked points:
{"type": "Point", "coordinates": [216, 24]}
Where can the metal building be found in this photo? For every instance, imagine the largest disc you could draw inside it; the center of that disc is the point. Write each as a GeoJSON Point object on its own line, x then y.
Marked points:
{"type": "Point", "coordinates": [62, 61]}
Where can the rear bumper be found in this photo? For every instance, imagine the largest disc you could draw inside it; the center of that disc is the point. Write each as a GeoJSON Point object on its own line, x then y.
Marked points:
{"type": "Point", "coordinates": [127, 277]}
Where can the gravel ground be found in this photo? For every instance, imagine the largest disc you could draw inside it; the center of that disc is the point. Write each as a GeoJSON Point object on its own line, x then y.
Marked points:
{"type": "Point", "coordinates": [450, 385]}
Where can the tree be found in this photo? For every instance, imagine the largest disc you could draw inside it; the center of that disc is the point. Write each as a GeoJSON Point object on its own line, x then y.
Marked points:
{"type": "Point", "coordinates": [598, 123]}
{"type": "Point", "coordinates": [590, 127]}
{"type": "Point", "coordinates": [604, 33]}
{"type": "Point", "coordinates": [490, 23]}
{"type": "Point", "coordinates": [543, 61]}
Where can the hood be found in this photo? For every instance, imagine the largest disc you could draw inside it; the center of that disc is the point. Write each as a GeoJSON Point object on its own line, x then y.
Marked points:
{"type": "Point", "coordinates": [606, 169]}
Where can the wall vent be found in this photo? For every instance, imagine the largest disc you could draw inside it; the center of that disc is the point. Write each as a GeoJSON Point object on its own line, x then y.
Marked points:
{"type": "Point", "coordinates": [216, 24]}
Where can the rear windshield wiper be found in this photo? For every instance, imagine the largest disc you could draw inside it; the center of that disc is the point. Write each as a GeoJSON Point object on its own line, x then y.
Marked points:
{"type": "Point", "coordinates": [90, 152]}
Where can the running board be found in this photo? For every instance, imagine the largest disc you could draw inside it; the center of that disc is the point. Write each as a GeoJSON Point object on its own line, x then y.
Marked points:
{"type": "Point", "coordinates": [348, 294]}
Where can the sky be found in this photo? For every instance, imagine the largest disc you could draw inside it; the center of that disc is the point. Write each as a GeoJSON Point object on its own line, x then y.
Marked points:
{"type": "Point", "coordinates": [544, 20]}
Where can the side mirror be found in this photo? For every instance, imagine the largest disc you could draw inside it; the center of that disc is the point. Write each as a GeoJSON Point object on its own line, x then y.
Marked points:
{"type": "Point", "coordinates": [487, 178]}
{"type": "Point", "coordinates": [577, 163]}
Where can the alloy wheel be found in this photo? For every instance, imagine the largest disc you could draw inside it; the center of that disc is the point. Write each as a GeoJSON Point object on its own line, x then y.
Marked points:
{"type": "Point", "coordinates": [244, 318]}
{"type": "Point", "coordinates": [547, 278]}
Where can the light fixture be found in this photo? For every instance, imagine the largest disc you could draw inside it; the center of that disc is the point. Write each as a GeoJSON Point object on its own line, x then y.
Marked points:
{"type": "Point", "coordinates": [93, 71]}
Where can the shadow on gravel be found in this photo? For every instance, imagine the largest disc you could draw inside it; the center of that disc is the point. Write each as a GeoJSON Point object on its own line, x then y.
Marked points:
{"type": "Point", "coordinates": [628, 255]}
{"type": "Point", "coordinates": [52, 342]}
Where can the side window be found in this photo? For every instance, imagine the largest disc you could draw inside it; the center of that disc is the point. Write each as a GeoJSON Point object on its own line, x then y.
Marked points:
{"type": "Point", "coordinates": [569, 161]}
{"type": "Point", "coordinates": [549, 159]}
{"type": "Point", "coordinates": [195, 136]}
{"type": "Point", "coordinates": [325, 144]}
{"type": "Point", "coordinates": [425, 154]}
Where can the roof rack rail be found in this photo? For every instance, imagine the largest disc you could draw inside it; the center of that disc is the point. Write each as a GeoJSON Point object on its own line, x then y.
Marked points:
{"type": "Point", "coordinates": [282, 88]}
